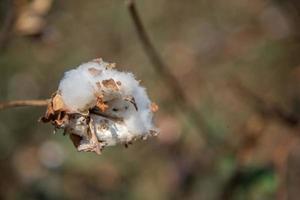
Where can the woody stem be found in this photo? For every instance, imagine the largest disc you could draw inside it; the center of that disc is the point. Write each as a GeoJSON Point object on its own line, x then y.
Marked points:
{"type": "Point", "coordinates": [21, 103]}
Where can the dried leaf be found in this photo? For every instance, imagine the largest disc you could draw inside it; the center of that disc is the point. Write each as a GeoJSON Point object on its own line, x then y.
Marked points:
{"type": "Point", "coordinates": [30, 19]}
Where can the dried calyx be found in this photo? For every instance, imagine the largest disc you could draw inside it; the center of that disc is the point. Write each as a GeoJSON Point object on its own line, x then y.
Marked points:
{"type": "Point", "coordinates": [99, 106]}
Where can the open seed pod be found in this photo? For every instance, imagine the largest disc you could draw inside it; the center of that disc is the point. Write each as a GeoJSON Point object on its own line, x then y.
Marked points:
{"type": "Point", "coordinates": [99, 106]}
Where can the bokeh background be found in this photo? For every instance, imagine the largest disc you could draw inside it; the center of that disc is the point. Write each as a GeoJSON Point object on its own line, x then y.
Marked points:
{"type": "Point", "coordinates": [237, 62]}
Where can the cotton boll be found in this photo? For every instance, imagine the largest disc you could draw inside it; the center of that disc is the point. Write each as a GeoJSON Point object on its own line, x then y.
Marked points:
{"type": "Point", "coordinates": [100, 106]}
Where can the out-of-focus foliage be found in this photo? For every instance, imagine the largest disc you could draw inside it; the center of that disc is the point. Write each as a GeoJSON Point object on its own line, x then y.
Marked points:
{"type": "Point", "coordinates": [237, 61]}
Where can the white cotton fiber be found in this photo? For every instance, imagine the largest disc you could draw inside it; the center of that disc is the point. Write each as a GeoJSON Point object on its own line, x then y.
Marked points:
{"type": "Point", "coordinates": [117, 108]}
{"type": "Point", "coordinates": [76, 90]}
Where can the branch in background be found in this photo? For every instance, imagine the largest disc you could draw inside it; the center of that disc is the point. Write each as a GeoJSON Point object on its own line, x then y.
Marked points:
{"type": "Point", "coordinates": [152, 53]}
{"type": "Point", "coordinates": [163, 70]}
{"type": "Point", "coordinates": [20, 103]}
{"type": "Point", "coordinates": [267, 109]}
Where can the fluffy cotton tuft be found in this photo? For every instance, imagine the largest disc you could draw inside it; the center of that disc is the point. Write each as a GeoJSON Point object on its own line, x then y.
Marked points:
{"type": "Point", "coordinates": [100, 106]}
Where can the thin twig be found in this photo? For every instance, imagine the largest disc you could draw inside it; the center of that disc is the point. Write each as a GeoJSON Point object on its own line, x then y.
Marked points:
{"type": "Point", "coordinates": [153, 55]}
{"type": "Point", "coordinates": [162, 69]}
{"type": "Point", "coordinates": [20, 103]}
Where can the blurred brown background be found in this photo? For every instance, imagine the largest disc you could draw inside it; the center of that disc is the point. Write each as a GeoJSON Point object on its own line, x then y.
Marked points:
{"type": "Point", "coordinates": [237, 62]}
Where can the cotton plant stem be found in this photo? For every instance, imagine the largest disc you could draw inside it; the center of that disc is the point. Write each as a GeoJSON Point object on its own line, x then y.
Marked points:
{"type": "Point", "coordinates": [162, 69]}
{"type": "Point", "coordinates": [23, 103]}
{"type": "Point", "coordinates": [151, 52]}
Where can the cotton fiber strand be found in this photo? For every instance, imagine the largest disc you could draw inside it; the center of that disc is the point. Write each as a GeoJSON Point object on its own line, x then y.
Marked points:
{"type": "Point", "coordinates": [99, 106]}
